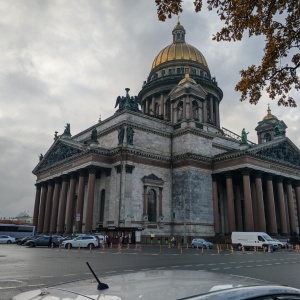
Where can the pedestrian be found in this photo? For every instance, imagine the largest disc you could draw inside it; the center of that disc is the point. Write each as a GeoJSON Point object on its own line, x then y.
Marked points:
{"type": "Point", "coordinates": [50, 241]}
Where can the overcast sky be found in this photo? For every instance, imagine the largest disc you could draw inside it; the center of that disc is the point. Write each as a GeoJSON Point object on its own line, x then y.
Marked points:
{"type": "Point", "coordinates": [67, 61]}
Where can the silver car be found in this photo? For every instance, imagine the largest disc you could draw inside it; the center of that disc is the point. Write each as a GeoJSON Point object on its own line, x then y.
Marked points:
{"type": "Point", "coordinates": [201, 243]}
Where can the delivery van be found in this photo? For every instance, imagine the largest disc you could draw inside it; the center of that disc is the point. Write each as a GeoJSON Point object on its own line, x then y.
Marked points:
{"type": "Point", "coordinates": [249, 240]}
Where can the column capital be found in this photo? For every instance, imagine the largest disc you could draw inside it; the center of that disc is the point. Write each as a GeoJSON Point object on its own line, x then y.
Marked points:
{"type": "Point", "coordinates": [214, 177]}
{"type": "Point", "coordinates": [129, 168]}
{"type": "Point", "coordinates": [38, 186]}
{"type": "Point", "coordinates": [81, 172]}
{"type": "Point", "coordinates": [118, 169]}
{"type": "Point", "coordinates": [269, 176]}
{"type": "Point", "coordinates": [57, 180]}
{"type": "Point", "coordinates": [297, 183]}
{"type": "Point", "coordinates": [44, 184]}
{"type": "Point", "coordinates": [257, 174]}
{"type": "Point", "coordinates": [245, 171]}
{"type": "Point", "coordinates": [65, 177]}
{"type": "Point", "coordinates": [73, 175]}
{"type": "Point", "coordinates": [279, 179]}
{"type": "Point", "coordinates": [51, 182]}
{"type": "Point", "coordinates": [107, 171]}
{"type": "Point", "coordinates": [228, 175]}
{"type": "Point", "coordinates": [288, 181]}
{"type": "Point", "coordinates": [92, 169]}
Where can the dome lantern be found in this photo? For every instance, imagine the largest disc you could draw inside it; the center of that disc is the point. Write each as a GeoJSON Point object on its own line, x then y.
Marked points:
{"type": "Point", "coordinates": [178, 33]}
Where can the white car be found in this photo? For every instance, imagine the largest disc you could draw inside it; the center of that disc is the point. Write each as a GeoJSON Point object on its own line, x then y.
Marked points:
{"type": "Point", "coordinates": [281, 244]}
{"type": "Point", "coordinates": [6, 239]}
{"type": "Point", "coordinates": [82, 241]}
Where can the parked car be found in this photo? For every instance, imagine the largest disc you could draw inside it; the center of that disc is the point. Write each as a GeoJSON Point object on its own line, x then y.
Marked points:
{"type": "Point", "coordinates": [43, 241]}
{"type": "Point", "coordinates": [201, 243]}
{"type": "Point", "coordinates": [82, 241]}
{"type": "Point", "coordinates": [27, 238]}
{"type": "Point", "coordinates": [281, 243]}
{"type": "Point", "coordinates": [6, 239]}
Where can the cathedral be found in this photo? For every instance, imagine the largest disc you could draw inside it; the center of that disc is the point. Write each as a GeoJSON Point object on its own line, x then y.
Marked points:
{"type": "Point", "coordinates": [163, 166]}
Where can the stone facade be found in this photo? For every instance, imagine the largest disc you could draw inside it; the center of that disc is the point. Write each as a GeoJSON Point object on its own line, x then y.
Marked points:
{"type": "Point", "coordinates": [163, 165]}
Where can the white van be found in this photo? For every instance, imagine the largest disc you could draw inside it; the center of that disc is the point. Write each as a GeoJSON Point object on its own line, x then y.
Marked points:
{"type": "Point", "coordinates": [252, 239]}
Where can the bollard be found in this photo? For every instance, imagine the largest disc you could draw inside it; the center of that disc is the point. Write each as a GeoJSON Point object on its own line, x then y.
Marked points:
{"type": "Point", "coordinates": [120, 248]}
{"type": "Point", "coordinates": [90, 248]}
{"type": "Point", "coordinates": [227, 247]}
{"type": "Point", "coordinates": [79, 248]}
{"type": "Point", "coordinates": [187, 246]}
{"type": "Point", "coordinates": [103, 247]}
{"type": "Point", "coordinates": [264, 250]}
{"type": "Point", "coordinates": [169, 247]}
{"type": "Point", "coordinates": [180, 250]}
{"type": "Point", "coordinates": [59, 247]}
{"type": "Point", "coordinates": [52, 246]}
{"type": "Point", "coordinates": [269, 249]}
{"type": "Point", "coordinates": [232, 252]}
{"type": "Point", "coordinates": [197, 247]}
{"type": "Point", "coordinates": [140, 249]}
{"type": "Point", "coordinates": [202, 251]}
{"type": "Point", "coordinates": [243, 249]}
{"type": "Point", "coordinates": [69, 248]}
{"type": "Point", "coordinates": [255, 250]}
{"type": "Point", "coordinates": [111, 245]}
{"type": "Point", "coordinates": [218, 248]}
{"type": "Point", "coordinates": [127, 245]}
{"type": "Point", "coordinates": [160, 251]}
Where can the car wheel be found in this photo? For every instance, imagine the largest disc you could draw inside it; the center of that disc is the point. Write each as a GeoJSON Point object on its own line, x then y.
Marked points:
{"type": "Point", "coordinates": [31, 245]}
{"type": "Point", "coordinates": [8, 242]}
{"type": "Point", "coordinates": [279, 246]}
{"type": "Point", "coordinates": [193, 246]}
{"type": "Point", "coordinates": [53, 245]}
{"type": "Point", "coordinates": [68, 246]}
{"type": "Point", "coordinates": [91, 246]}
{"type": "Point", "coordinates": [239, 247]}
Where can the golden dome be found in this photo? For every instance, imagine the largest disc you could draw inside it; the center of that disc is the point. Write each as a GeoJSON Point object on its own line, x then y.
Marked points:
{"type": "Point", "coordinates": [269, 115]}
{"type": "Point", "coordinates": [179, 51]}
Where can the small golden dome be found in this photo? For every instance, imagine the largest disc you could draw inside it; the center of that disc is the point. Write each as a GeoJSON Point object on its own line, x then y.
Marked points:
{"type": "Point", "coordinates": [269, 115]}
{"type": "Point", "coordinates": [179, 51]}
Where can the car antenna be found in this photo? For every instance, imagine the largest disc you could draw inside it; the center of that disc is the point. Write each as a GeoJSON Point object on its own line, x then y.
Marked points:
{"type": "Point", "coordinates": [101, 286]}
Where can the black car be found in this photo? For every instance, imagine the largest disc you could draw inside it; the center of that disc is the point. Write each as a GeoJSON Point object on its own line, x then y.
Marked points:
{"type": "Point", "coordinates": [27, 238]}
{"type": "Point", "coordinates": [43, 241]}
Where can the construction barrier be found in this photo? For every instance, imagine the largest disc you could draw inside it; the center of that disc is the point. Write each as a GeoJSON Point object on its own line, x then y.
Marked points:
{"type": "Point", "coordinates": [120, 248]}
{"type": "Point", "coordinates": [231, 249]}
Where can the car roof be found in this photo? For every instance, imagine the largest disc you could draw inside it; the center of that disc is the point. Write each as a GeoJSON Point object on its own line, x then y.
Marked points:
{"type": "Point", "coordinates": [157, 284]}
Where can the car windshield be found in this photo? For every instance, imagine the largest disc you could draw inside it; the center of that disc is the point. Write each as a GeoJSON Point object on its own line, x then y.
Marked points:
{"type": "Point", "coordinates": [267, 238]}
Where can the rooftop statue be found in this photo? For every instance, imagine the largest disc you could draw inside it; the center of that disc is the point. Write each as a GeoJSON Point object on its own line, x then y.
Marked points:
{"type": "Point", "coordinates": [94, 135]}
{"type": "Point", "coordinates": [67, 129]}
{"type": "Point", "coordinates": [278, 130]}
{"type": "Point", "coordinates": [127, 102]}
{"type": "Point", "coordinates": [244, 139]}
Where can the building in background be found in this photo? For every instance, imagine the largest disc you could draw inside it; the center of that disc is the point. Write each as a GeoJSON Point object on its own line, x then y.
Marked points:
{"type": "Point", "coordinates": [163, 166]}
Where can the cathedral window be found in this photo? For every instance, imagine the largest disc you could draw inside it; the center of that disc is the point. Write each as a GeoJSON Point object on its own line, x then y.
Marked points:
{"type": "Point", "coordinates": [151, 206]}
{"type": "Point", "coordinates": [171, 71]}
{"type": "Point", "coordinates": [267, 137]}
{"type": "Point", "coordinates": [201, 73]}
{"type": "Point", "coordinates": [162, 72]}
{"type": "Point", "coordinates": [178, 70]}
{"type": "Point", "coordinates": [193, 71]}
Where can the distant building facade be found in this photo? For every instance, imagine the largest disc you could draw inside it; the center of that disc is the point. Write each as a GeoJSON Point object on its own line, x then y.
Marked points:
{"type": "Point", "coordinates": [162, 165]}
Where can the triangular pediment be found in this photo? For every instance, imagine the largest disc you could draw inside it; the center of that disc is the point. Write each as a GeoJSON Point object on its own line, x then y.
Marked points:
{"type": "Point", "coordinates": [284, 152]}
{"type": "Point", "coordinates": [60, 151]}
